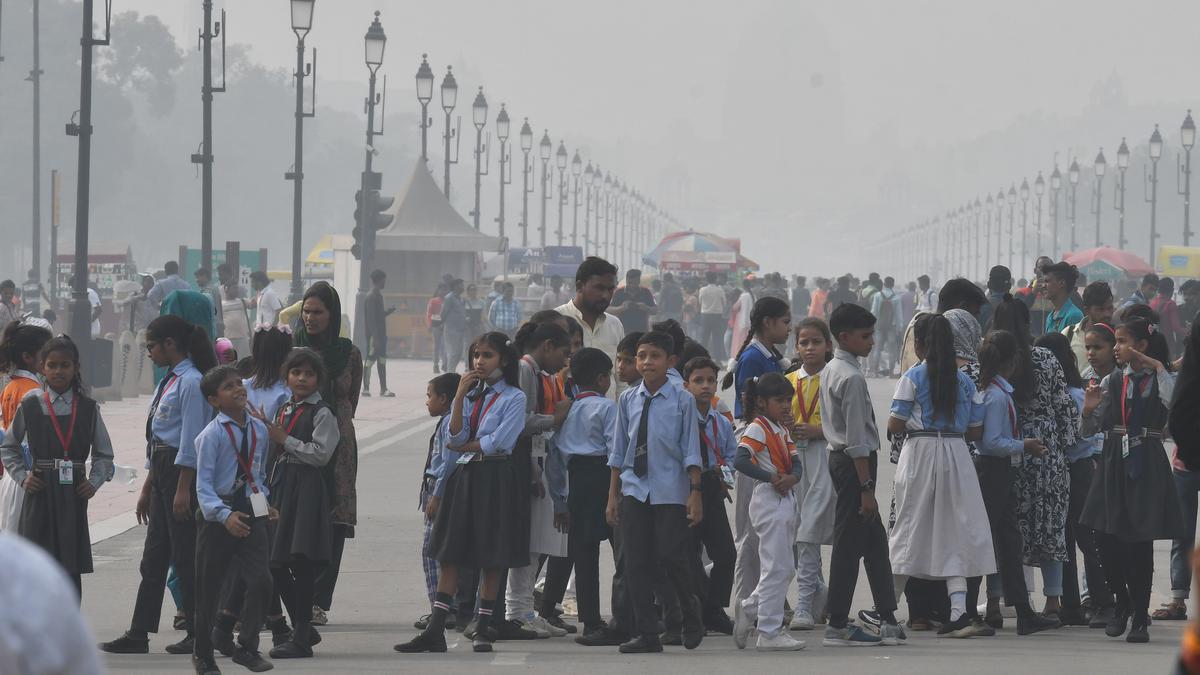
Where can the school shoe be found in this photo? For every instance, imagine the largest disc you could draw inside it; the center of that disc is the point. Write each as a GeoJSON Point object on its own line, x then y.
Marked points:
{"type": "Point", "coordinates": [892, 635]}
{"type": "Point", "coordinates": [1073, 616]}
{"type": "Point", "coordinates": [205, 665]}
{"type": "Point", "coordinates": [852, 635]}
{"type": "Point", "coordinates": [960, 628]}
{"type": "Point", "coordinates": [1101, 617]}
{"type": "Point", "coordinates": [781, 642]}
{"type": "Point", "coordinates": [299, 647]}
{"type": "Point", "coordinates": [642, 644]}
{"type": "Point", "coordinates": [184, 646]}
{"type": "Point", "coordinates": [319, 617]}
{"type": "Point", "coordinates": [126, 645]}
{"type": "Point", "coordinates": [980, 629]}
{"type": "Point", "coordinates": [742, 624]}
{"type": "Point", "coordinates": [424, 642]}
{"type": "Point", "coordinates": [388, 394]}
{"type": "Point", "coordinates": [672, 637]}
{"type": "Point", "coordinates": [1037, 623]}
{"type": "Point", "coordinates": [480, 644]}
{"type": "Point", "coordinates": [222, 641]}
{"type": "Point", "coordinates": [1138, 632]}
{"type": "Point", "coordinates": [1118, 623]}
{"type": "Point", "coordinates": [601, 636]}
{"type": "Point", "coordinates": [251, 660]}
{"type": "Point", "coordinates": [555, 621]}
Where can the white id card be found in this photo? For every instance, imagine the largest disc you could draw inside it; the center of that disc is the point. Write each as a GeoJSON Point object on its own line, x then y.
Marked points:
{"type": "Point", "coordinates": [1124, 446]}
{"type": "Point", "coordinates": [539, 445]}
{"type": "Point", "coordinates": [465, 458]}
{"type": "Point", "coordinates": [66, 472]}
{"type": "Point", "coordinates": [258, 504]}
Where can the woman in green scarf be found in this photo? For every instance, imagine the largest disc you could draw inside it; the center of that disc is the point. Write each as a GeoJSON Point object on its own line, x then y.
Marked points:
{"type": "Point", "coordinates": [320, 329]}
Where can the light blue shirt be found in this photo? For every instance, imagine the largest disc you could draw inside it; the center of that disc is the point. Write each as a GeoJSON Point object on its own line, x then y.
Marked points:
{"type": "Point", "coordinates": [1000, 416]}
{"type": "Point", "coordinates": [166, 286]}
{"type": "Point", "coordinates": [672, 443]}
{"type": "Point", "coordinates": [441, 462]}
{"type": "Point", "coordinates": [500, 426]}
{"type": "Point", "coordinates": [217, 464]}
{"type": "Point", "coordinates": [724, 443]}
{"type": "Point", "coordinates": [589, 427]}
{"type": "Point", "coordinates": [182, 413]}
{"type": "Point", "coordinates": [913, 403]}
{"type": "Point", "coordinates": [270, 400]}
{"type": "Point", "coordinates": [1087, 446]}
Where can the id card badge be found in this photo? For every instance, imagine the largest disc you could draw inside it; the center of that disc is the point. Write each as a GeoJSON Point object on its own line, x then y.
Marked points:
{"type": "Point", "coordinates": [66, 472]}
{"type": "Point", "coordinates": [465, 458]}
{"type": "Point", "coordinates": [727, 476]}
{"type": "Point", "coordinates": [801, 444]}
{"type": "Point", "coordinates": [258, 504]}
{"type": "Point", "coordinates": [539, 445]}
{"type": "Point", "coordinates": [1125, 446]}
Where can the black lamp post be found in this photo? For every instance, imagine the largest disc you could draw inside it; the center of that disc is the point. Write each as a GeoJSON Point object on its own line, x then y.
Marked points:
{"type": "Point", "coordinates": [35, 77]}
{"type": "Point", "coordinates": [589, 176]}
{"type": "Point", "coordinates": [374, 43]}
{"type": "Point", "coordinates": [560, 160]}
{"type": "Point", "coordinates": [1024, 220]}
{"type": "Point", "coordinates": [608, 219]}
{"type": "Point", "coordinates": [502, 129]}
{"type": "Point", "coordinates": [205, 157]}
{"type": "Point", "coordinates": [1099, 168]}
{"type": "Point", "coordinates": [479, 111]}
{"type": "Point", "coordinates": [1073, 179]}
{"type": "Point", "coordinates": [1187, 138]}
{"type": "Point", "coordinates": [424, 96]}
{"type": "Point", "coordinates": [1000, 199]}
{"type": "Point", "coordinates": [576, 172]}
{"type": "Point", "coordinates": [1039, 189]}
{"type": "Point", "coordinates": [449, 100]}
{"type": "Point", "coordinates": [1055, 186]}
{"type": "Point", "coordinates": [1122, 166]}
{"type": "Point", "coordinates": [1156, 148]}
{"type": "Point", "coordinates": [1012, 215]}
{"type": "Point", "coordinates": [302, 14]}
{"type": "Point", "coordinates": [544, 150]}
{"type": "Point", "coordinates": [527, 168]}
{"type": "Point", "coordinates": [987, 237]}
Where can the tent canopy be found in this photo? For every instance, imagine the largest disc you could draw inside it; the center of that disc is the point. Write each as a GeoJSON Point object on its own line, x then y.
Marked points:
{"type": "Point", "coordinates": [1108, 264]}
{"type": "Point", "coordinates": [423, 220]}
{"type": "Point", "coordinates": [698, 251]}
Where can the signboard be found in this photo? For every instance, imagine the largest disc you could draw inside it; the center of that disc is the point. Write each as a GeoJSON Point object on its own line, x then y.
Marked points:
{"type": "Point", "coordinates": [248, 260]}
{"type": "Point", "coordinates": [715, 261]}
{"type": "Point", "coordinates": [1179, 261]}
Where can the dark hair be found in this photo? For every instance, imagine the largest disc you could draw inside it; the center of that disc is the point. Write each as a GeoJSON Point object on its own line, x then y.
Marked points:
{"type": "Point", "coordinates": [657, 339]}
{"type": "Point", "coordinates": [849, 317]}
{"type": "Point", "coordinates": [999, 279]}
{"type": "Point", "coordinates": [224, 268]}
{"type": "Point", "coordinates": [1063, 270]}
{"type": "Point", "coordinates": [211, 383]}
{"type": "Point", "coordinates": [763, 386]}
{"type": "Point", "coordinates": [378, 275]}
{"type": "Point", "coordinates": [9, 283]}
{"type": "Point", "coordinates": [942, 367]}
{"type": "Point", "coordinates": [671, 327]}
{"type": "Point", "coordinates": [64, 344]}
{"type": "Point", "coordinates": [20, 339]}
{"type": "Point", "coordinates": [959, 293]}
{"type": "Point", "coordinates": [1105, 331]}
{"type": "Point", "coordinates": [260, 277]}
{"type": "Point", "coordinates": [1012, 315]}
{"type": "Point", "coordinates": [767, 307]}
{"type": "Point", "coordinates": [202, 272]}
{"type": "Point", "coordinates": [531, 334]}
{"type": "Point", "coordinates": [1060, 346]}
{"type": "Point", "coordinates": [509, 359]}
{"type": "Point", "coordinates": [269, 349]}
{"type": "Point", "coordinates": [1096, 293]}
{"type": "Point", "coordinates": [189, 339]}
{"type": "Point", "coordinates": [170, 267]}
{"type": "Point", "coordinates": [588, 364]}
{"type": "Point", "coordinates": [693, 350]}
{"type": "Point", "coordinates": [998, 350]}
{"type": "Point", "coordinates": [593, 266]}
{"type": "Point", "coordinates": [446, 385]}
{"type": "Point", "coordinates": [1149, 279]}
{"type": "Point", "coordinates": [699, 363]}
{"type": "Point", "coordinates": [548, 316]}
{"type": "Point", "coordinates": [629, 343]}
{"type": "Point", "coordinates": [1166, 287]}
{"type": "Point", "coordinates": [817, 324]}
{"type": "Point", "coordinates": [1140, 310]}
{"type": "Point", "coordinates": [1146, 328]}
{"type": "Point", "coordinates": [921, 329]}
{"type": "Point", "coordinates": [305, 356]}
{"type": "Point", "coordinates": [573, 327]}
{"type": "Point", "coordinates": [245, 367]}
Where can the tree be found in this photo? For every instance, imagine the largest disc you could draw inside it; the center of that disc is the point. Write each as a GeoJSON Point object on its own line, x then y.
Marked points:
{"type": "Point", "coordinates": [143, 58]}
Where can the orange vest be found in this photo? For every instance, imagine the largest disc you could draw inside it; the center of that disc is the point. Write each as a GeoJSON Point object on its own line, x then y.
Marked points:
{"type": "Point", "coordinates": [781, 452]}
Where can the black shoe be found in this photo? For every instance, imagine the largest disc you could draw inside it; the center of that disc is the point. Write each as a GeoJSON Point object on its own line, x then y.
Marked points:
{"type": "Point", "coordinates": [601, 637]}
{"type": "Point", "coordinates": [423, 642]}
{"type": "Point", "coordinates": [1117, 624]}
{"type": "Point", "coordinates": [222, 641]}
{"type": "Point", "coordinates": [994, 619]}
{"type": "Point", "coordinates": [1073, 616]}
{"type": "Point", "coordinates": [280, 632]}
{"type": "Point", "coordinates": [870, 620]}
{"type": "Point", "coordinates": [672, 638]}
{"type": "Point", "coordinates": [126, 645]}
{"type": "Point", "coordinates": [299, 647]}
{"type": "Point", "coordinates": [1138, 631]}
{"type": "Point", "coordinates": [556, 621]}
{"type": "Point", "coordinates": [511, 630]}
{"type": "Point", "coordinates": [481, 644]}
{"type": "Point", "coordinates": [1036, 623]}
{"type": "Point", "coordinates": [642, 644]}
{"type": "Point", "coordinates": [184, 646]}
{"type": "Point", "coordinates": [251, 660]}
{"type": "Point", "coordinates": [205, 665]}
{"type": "Point", "coordinates": [717, 621]}
{"type": "Point", "coordinates": [421, 623]}
{"type": "Point", "coordinates": [693, 626]}
{"type": "Point", "coordinates": [956, 629]}
{"type": "Point", "coordinates": [1101, 617]}
{"type": "Point", "coordinates": [179, 623]}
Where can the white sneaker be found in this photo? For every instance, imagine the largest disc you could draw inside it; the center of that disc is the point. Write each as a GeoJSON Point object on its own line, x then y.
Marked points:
{"type": "Point", "coordinates": [780, 643]}
{"type": "Point", "coordinates": [545, 626]}
{"type": "Point", "coordinates": [742, 624]}
{"type": "Point", "coordinates": [531, 625]}
{"type": "Point", "coordinates": [803, 620]}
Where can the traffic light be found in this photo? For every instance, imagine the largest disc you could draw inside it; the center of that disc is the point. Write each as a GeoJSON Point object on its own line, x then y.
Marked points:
{"type": "Point", "coordinates": [369, 216]}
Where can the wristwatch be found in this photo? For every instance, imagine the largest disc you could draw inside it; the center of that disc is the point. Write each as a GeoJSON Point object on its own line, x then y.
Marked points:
{"type": "Point", "coordinates": [867, 486]}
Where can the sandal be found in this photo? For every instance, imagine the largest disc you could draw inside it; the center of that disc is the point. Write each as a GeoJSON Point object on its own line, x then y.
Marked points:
{"type": "Point", "coordinates": [1171, 611]}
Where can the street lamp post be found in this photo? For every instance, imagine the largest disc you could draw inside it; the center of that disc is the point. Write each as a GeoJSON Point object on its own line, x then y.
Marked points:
{"type": "Point", "coordinates": [1119, 196]}
{"type": "Point", "coordinates": [1000, 199]}
{"type": "Point", "coordinates": [374, 43]}
{"type": "Point", "coordinates": [544, 149]}
{"type": "Point", "coordinates": [205, 157]}
{"type": "Point", "coordinates": [589, 175]}
{"type": "Point", "coordinates": [1012, 215]}
{"type": "Point", "coordinates": [479, 117]}
{"type": "Point", "coordinates": [608, 219]}
{"type": "Point", "coordinates": [1039, 189]}
{"type": "Point", "coordinates": [1073, 179]}
{"type": "Point", "coordinates": [1156, 148]}
{"type": "Point", "coordinates": [1099, 168]}
{"type": "Point", "coordinates": [526, 169]}
{"type": "Point", "coordinates": [424, 96]}
{"type": "Point", "coordinates": [987, 237]}
{"type": "Point", "coordinates": [449, 100]}
{"type": "Point", "coordinates": [1024, 220]}
{"type": "Point", "coordinates": [1187, 138]}
{"type": "Point", "coordinates": [302, 14]}
{"type": "Point", "coordinates": [1055, 186]}
{"type": "Point", "coordinates": [560, 160]}
{"type": "Point", "coordinates": [576, 172]}
{"type": "Point", "coordinates": [35, 77]}
{"type": "Point", "coordinates": [502, 128]}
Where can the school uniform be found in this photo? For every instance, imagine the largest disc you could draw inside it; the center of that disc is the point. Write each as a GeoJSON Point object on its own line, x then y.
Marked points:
{"type": "Point", "coordinates": [231, 476]}
{"type": "Point", "coordinates": [435, 460]}
{"type": "Point", "coordinates": [654, 460]}
{"type": "Point", "coordinates": [1081, 464]}
{"type": "Point", "coordinates": [268, 399]}
{"type": "Point", "coordinates": [583, 441]}
{"type": "Point", "coordinates": [764, 452]}
{"type": "Point", "coordinates": [476, 524]}
{"type": "Point", "coordinates": [12, 495]}
{"type": "Point", "coordinates": [815, 496]}
{"type": "Point", "coordinates": [713, 535]}
{"type": "Point", "coordinates": [939, 507]}
{"type": "Point", "coordinates": [62, 431]}
{"type": "Point", "coordinates": [849, 426]}
{"type": "Point", "coordinates": [756, 359]}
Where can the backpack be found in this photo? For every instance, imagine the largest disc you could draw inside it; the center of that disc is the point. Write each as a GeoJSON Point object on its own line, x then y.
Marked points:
{"type": "Point", "coordinates": [887, 310]}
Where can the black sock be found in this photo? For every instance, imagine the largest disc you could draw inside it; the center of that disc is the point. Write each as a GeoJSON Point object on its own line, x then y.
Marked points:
{"type": "Point", "coordinates": [1024, 611]}
{"type": "Point", "coordinates": [226, 621]}
{"type": "Point", "coordinates": [437, 618]}
{"type": "Point", "coordinates": [485, 617]}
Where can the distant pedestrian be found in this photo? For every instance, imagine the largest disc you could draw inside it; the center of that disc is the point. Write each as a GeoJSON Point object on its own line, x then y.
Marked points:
{"type": "Point", "coordinates": [454, 323]}
{"type": "Point", "coordinates": [506, 313]}
{"type": "Point", "coordinates": [713, 317]}
{"type": "Point", "coordinates": [437, 331]}
{"type": "Point", "coordinates": [375, 320]}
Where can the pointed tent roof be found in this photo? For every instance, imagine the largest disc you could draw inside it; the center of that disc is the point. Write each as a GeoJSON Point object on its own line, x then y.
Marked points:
{"type": "Point", "coordinates": [424, 220]}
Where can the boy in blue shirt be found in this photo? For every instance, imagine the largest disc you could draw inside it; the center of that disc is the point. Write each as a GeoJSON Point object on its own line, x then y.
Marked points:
{"type": "Point", "coordinates": [231, 487]}
{"type": "Point", "coordinates": [439, 394]}
{"type": "Point", "coordinates": [654, 492]}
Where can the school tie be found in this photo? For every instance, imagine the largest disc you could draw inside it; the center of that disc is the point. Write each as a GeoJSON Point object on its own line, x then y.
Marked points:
{"type": "Point", "coordinates": [477, 411]}
{"type": "Point", "coordinates": [641, 456]}
{"type": "Point", "coordinates": [158, 394]}
{"type": "Point", "coordinates": [703, 448]}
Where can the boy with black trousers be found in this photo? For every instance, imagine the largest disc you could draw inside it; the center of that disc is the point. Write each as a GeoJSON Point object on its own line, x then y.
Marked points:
{"type": "Point", "coordinates": [654, 492]}
{"type": "Point", "coordinates": [231, 487]}
{"type": "Point", "coordinates": [848, 420]}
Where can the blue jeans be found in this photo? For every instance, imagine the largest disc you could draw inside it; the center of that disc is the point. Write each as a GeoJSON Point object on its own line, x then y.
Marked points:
{"type": "Point", "coordinates": [1187, 484]}
{"type": "Point", "coordinates": [1052, 578]}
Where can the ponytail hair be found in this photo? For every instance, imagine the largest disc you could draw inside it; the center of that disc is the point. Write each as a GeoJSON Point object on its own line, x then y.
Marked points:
{"type": "Point", "coordinates": [999, 349]}
{"type": "Point", "coordinates": [763, 386]}
{"type": "Point", "coordinates": [1146, 328]}
{"type": "Point", "coordinates": [942, 367]}
{"type": "Point", "coordinates": [269, 349]}
{"type": "Point", "coordinates": [531, 334]}
{"type": "Point", "coordinates": [189, 339]}
{"type": "Point", "coordinates": [1012, 315]}
{"type": "Point", "coordinates": [509, 359]}
{"type": "Point", "coordinates": [767, 307]}
{"type": "Point", "coordinates": [63, 343]}
{"type": "Point", "coordinates": [18, 340]}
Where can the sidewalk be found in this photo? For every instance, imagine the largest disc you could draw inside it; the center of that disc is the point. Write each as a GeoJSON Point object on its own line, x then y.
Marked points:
{"type": "Point", "coordinates": [111, 511]}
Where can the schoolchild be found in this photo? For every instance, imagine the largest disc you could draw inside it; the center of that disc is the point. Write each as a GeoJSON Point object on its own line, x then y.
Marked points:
{"type": "Point", "coordinates": [654, 492]}
{"type": "Point", "coordinates": [266, 388]}
{"type": "Point", "coordinates": [20, 346]}
{"type": "Point", "coordinates": [439, 394]}
{"type": "Point", "coordinates": [693, 350]}
{"type": "Point", "coordinates": [679, 339]}
{"type": "Point", "coordinates": [717, 450]}
{"type": "Point", "coordinates": [475, 525]}
{"type": "Point", "coordinates": [767, 454]}
{"type": "Point", "coordinates": [770, 324]}
{"type": "Point", "coordinates": [627, 372]}
{"type": "Point", "coordinates": [231, 458]}
{"type": "Point", "coordinates": [1132, 501]}
{"type": "Point", "coordinates": [63, 429]}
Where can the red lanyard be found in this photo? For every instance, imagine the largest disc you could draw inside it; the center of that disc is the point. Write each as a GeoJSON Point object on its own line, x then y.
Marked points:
{"type": "Point", "coordinates": [477, 417]}
{"type": "Point", "coordinates": [64, 439]}
{"type": "Point", "coordinates": [712, 444]}
{"type": "Point", "coordinates": [807, 413]}
{"type": "Point", "coordinates": [166, 388]}
{"type": "Point", "coordinates": [245, 462]}
{"type": "Point", "coordinates": [295, 417]}
{"type": "Point", "coordinates": [585, 394]}
{"type": "Point", "coordinates": [1124, 391]}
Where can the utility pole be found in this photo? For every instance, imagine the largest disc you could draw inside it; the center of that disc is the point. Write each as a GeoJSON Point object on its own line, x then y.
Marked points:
{"type": "Point", "coordinates": [35, 76]}
{"type": "Point", "coordinates": [205, 157]}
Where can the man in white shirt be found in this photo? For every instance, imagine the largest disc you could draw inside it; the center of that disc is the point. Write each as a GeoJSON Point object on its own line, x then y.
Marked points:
{"type": "Point", "coordinates": [97, 309]}
{"type": "Point", "coordinates": [712, 318]}
{"type": "Point", "coordinates": [927, 298]}
{"type": "Point", "coordinates": [266, 300]}
{"type": "Point", "coordinates": [595, 282]}
{"type": "Point", "coordinates": [553, 297]}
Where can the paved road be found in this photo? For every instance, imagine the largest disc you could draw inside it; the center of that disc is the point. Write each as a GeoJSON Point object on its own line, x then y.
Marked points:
{"type": "Point", "coordinates": [381, 591]}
